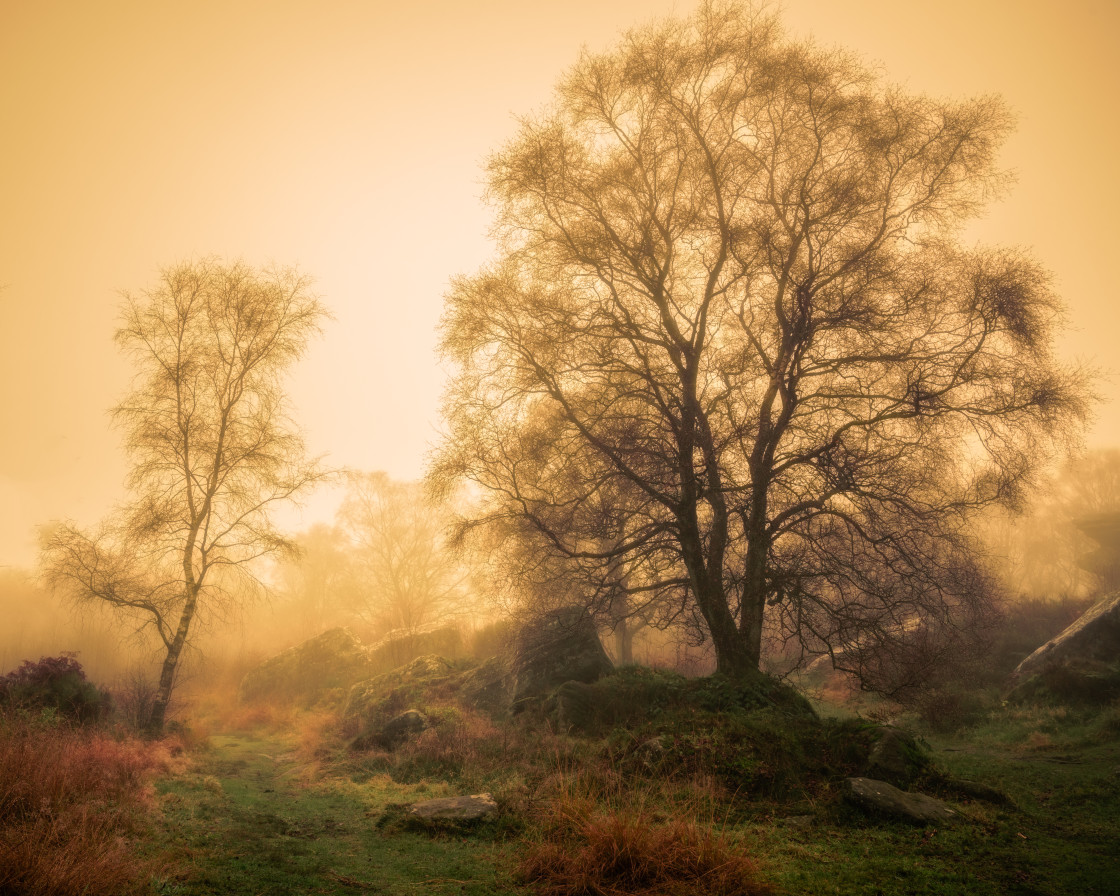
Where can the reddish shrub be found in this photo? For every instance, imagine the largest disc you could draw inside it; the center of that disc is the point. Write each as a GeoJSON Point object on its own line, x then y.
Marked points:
{"type": "Point", "coordinates": [70, 799]}
{"type": "Point", "coordinates": [587, 848]}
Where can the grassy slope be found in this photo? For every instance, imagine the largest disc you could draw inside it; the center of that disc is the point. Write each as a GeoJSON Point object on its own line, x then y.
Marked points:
{"type": "Point", "coordinates": [251, 817]}
{"type": "Point", "coordinates": [1059, 835]}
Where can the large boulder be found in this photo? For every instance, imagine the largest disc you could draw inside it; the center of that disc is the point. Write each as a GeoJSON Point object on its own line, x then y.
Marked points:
{"type": "Point", "coordinates": [486, 686]}
{"type": "Point", "coordinates": [556, 647]}
{"type": "Point", "coordinates": [330, 661]}
{"type": "Point", "coordinates": [880, 798]}
{"type": "Point", "coordinates": [1082, 664]}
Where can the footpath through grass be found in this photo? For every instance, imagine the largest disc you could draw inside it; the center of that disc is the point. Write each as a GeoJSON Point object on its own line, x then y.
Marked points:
{"type": "Point", "coordinates": [249, 818]}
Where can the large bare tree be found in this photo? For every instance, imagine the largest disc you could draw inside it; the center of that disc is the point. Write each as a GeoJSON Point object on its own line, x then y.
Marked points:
{"type": "Point", "coordinates": [729, 290]}
{"type": "Point", "coordinates": [212, 449]}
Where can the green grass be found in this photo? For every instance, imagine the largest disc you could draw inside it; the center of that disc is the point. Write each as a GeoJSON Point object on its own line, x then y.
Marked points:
{"type": "Point", "coordinates": [1059, 834]}
{"type": "Point", "coordinates": [272, 813]}
{"type": "Point", "coordinates": [248, 820]}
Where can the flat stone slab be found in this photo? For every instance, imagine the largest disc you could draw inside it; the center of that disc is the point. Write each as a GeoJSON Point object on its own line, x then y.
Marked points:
{"type": "Point", "coordinates": [886, 799]}
{"type": "Point", "coordinates": [475, 807]}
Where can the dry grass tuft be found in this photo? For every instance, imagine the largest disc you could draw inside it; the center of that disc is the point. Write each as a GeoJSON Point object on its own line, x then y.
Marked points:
{"type": "Point", "coordinates": [588, 846]}
{"type": "Point", "coordinates": [70, 799]}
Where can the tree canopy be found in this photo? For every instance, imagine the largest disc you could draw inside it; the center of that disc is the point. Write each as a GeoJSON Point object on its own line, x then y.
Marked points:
{"type": "Point", "coordinates": [733, 346]}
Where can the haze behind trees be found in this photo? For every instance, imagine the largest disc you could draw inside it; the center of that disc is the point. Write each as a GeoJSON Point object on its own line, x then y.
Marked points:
{"type": "Point", "coordinates": [736, 374]}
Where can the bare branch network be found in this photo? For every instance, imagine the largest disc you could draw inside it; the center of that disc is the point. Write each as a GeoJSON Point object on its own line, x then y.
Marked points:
{"type": "Point", "coordinates": [732, 356]}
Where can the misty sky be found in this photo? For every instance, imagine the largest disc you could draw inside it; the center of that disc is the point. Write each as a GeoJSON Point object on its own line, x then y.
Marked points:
{"type": "Point", "coordinates": [347, 138]}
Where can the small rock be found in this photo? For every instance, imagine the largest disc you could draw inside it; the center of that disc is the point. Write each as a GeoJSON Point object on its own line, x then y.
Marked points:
{"type": "Point", "coordinates": [883, 798]}
{"type": "Point", "coordinates": [476, 807]}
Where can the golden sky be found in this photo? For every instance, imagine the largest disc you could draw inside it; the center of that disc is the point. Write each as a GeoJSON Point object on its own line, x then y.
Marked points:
{"type": "Point", "coordinates": [347, 138]}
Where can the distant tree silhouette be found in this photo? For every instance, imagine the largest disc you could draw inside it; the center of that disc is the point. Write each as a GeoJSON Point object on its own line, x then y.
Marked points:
{"type": "Point", "coordinates": [211, 446]}
{"type": "Point", "coordinates": [729, 298]}
{"type": "Point", "coordinates": [405, 578]}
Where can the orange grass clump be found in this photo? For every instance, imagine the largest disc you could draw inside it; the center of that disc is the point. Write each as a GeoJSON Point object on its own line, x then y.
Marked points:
{"type": "Point", "coordinates": [585, 848]}
{"type": "Point", "coordinates": [70, 802]}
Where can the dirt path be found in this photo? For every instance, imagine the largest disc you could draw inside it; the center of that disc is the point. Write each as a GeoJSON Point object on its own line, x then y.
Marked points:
{"type": "Point", "coordinates": [247, 819]}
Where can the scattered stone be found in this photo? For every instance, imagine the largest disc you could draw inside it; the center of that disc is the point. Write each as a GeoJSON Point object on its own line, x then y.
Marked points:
{"type": "Point", "coordinates": [882, 798]}
{"type": "Point", "coordinates": [800, 821]}
{"type": "Point", "coordinates": [557, 647]}
{"type": "Point", "coordinates": [895, 758]}
{"type": "Point", "coordinates": [473, 808]}
{"type": "Point", "coordinates": [335, 659]}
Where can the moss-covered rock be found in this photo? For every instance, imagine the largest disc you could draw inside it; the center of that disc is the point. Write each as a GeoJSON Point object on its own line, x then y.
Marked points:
{"type": "Point", "coordinates": [558, 646]}
{"type": "Point", "coordinates": [372, 702]}
{"type": "Point", "coordinates": [330, 661]}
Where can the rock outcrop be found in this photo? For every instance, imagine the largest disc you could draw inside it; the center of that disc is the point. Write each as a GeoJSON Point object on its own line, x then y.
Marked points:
{"type": "Point", "coordinates": [1095, 636]}
{"type": "Point", "coordinates": [330, 661]}
{"type": "Point", "coordinates": [1082, 664]}
{"type": "Point", "coordinates": [399, 648]}
{"type": "Point", "coordinates": [556, 647]}
{"type": "Point", "coordinates": [372, 702]}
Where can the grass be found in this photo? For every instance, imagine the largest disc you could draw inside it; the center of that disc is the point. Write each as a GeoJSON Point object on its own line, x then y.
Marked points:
{"type": "Point", "coordinates": [627, 840]}
{"type": "Point", "coordinates": [254, 816]}
{"type": "Point", "coordinates": [74, 803]}
{"type": "Point", "coordinates": [708, 790]}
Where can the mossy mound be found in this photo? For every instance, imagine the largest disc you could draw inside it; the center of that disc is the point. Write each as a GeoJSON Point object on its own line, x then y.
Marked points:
{"type": "Point", "coordinates": [758, 737]}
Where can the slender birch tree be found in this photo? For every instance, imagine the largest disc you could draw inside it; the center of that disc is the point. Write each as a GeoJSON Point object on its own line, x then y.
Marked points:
{"type": "Point", "coordinates": [212, 448]}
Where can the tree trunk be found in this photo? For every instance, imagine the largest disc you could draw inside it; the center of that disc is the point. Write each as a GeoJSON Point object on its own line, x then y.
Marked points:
{"type": "Point", "coordinates": [623, 643]}
{"type": "Point", "coordinates": [170, 666]}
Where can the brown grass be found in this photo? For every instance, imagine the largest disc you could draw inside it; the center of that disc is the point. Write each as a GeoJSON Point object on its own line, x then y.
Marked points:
{"type": "Point", "coordinates": [629, 845]}
{"type": "Point", "coordinates": [71, 803]}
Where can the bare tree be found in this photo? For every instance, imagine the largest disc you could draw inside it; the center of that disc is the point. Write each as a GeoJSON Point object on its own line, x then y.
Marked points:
{"type": "Point", "coordinates": [728, 291]}
{"type": "Point", "coordinates": [407, 579]}
{"type": "Point", "coordinates": [212, 450]}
